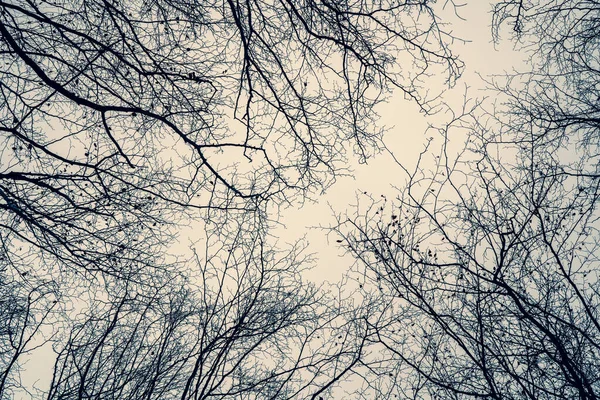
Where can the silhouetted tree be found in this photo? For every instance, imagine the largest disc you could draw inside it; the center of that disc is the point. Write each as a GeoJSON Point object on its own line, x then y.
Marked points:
{"type": "Point", "coordinates": [25, 305]}
{"type": "Point", "coordinates": [114, 113]}
{"type": "Point", "coordinates": [249, 328]}
{"type": "Point", "coordinates": [120, 119]}
{"type": "Point", "coordinates": [488, 258]}
{"type": "Point", "coordinates": [556, 102]}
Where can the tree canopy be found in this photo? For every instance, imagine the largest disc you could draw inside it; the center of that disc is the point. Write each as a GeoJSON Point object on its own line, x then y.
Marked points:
{"type": "Point", "coordinates": [488, 258]}
{"type": "Point", "coordinates": [122, 124]}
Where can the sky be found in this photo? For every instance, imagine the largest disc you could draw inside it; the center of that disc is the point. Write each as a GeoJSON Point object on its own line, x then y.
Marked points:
{"type": "Point", "coordinates": [405, 138]}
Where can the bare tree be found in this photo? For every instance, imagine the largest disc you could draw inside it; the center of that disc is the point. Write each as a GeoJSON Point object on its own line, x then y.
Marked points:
{"type": "Point", "coordinates": [558, 98]}
{"type": "Point", "coordinates": [114, 111]}
{"type": "Point", "coordinates": [251, 328]}
{"type": "Point", "coordinates": [492, 278]}
{"type": "Point", "coordinates": [25, 306]}
{"type": "Point", "coordinates": [120, 119]}
{"type": "Point", "coordinates": [488, 258]}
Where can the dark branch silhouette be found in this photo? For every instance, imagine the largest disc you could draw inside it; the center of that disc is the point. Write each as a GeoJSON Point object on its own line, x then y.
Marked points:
{"type": "Point", "coordinates": [489, 255]}
{"type": "Point", "coordinates": [121, 121]}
